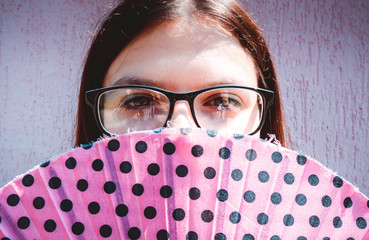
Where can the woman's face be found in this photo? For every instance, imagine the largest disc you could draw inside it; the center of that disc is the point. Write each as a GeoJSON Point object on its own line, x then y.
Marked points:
{"type": "Point", "coordinates": [182, 56]}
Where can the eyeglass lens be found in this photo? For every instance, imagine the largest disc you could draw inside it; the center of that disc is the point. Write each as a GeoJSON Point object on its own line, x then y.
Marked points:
{"type": "Point", "coordinates": [135, 109]}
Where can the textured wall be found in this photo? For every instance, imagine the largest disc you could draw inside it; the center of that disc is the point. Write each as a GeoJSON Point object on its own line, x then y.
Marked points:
{"type": "Point", "coordinates": [321, 51]}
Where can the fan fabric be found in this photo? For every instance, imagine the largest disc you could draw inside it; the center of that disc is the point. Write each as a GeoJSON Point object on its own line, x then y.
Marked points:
{"type": "Point", "coordinates": [182, 184]}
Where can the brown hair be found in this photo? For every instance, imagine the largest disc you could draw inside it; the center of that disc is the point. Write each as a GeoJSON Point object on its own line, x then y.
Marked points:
{"type": "Point", "coordinates": [133, 17]}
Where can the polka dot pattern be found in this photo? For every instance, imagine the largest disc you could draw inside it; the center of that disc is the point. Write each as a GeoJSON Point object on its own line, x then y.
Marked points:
{"type": "Point", "coordinates": [154, 183]}
{"type": "Point", "coordinates": [28, 180]}
{"type": "Point", "coordinates": [194, 193]}
{"type": "Point", "coordinates": [23, 223]}
{"type": "Point", "coordinates": [50, 225]}
{"type": "Point", "coordinates": [97, 165]}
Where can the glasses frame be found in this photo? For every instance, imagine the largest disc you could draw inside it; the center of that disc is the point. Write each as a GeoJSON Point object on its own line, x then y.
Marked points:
{"type": "Point", "coordinates": [92, 98]}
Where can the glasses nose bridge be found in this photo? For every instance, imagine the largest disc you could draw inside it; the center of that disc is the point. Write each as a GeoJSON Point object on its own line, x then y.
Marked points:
{"type": "Point", "coordinates": [189, 98]}
{"type": "Point", "coordinates": [182, 96]}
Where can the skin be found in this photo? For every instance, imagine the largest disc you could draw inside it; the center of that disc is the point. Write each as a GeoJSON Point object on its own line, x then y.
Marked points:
{"type": "Point", "coordinates": [183, 56]}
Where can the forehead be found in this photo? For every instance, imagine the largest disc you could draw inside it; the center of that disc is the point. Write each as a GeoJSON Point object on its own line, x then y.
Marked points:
{"type": "Point", "coordinates": [175, 50]}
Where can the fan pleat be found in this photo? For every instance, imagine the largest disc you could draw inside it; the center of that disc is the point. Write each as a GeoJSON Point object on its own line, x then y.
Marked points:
{"type": "Point", "coordinates": [61, 183]}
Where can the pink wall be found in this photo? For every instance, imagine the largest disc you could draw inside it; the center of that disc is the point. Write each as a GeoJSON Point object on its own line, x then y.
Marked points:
{"type": "Point", "coordinates": [321, 50]}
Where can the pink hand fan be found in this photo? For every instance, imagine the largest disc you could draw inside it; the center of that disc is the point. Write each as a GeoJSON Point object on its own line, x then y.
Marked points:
{"type": "Point", "coordinates": [182, 184]}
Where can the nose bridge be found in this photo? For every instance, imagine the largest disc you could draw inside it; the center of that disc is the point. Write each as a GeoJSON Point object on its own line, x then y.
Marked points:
{"type": "Point", "coordinates": [182, 115]}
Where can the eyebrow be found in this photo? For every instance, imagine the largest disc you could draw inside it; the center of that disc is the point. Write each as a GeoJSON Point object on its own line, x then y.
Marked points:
{"type": "Point", "coordinates": [138, 81]}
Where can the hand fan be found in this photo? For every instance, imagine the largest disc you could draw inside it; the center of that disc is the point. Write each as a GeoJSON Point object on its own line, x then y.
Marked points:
{"type": "Point", "coordinates": [182, 184]}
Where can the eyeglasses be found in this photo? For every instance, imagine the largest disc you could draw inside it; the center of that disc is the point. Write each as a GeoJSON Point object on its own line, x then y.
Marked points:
{"type": "Point", "coordinates": [121, 109]}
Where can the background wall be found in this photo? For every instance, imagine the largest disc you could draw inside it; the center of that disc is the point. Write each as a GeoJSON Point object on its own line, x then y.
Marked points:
{"type": "Point", "coordinates": [320, 47]}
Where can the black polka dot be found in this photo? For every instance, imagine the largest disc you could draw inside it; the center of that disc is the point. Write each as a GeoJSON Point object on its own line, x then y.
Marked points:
{"type": "Point", "coordinates": [23, 222]}
{"type": "Point", "coordinates": [166, 191]}
{"type": "Point", "coordinates": [222, 195]}
{"type": "Point", "coordinates": [238, 136]}
{"type": "Point", "coordinates": [5, 238]}
{"type": "Point", "coordinates": [235, 217]}
{"type": "Point", "coordinates": [337, 222]}
{"type": "Point", "coordinates": [313, 180]}
{"type": "Point", "coordinates": [121, 210]}
{"type": "Point", "coordinates": [276, 198]}
{"type": "Point", "coordinates": [185, 131]}
{"type": "Point", "coordinates": [361, 223]}
{"type": "Point", "coordinates": [249, 196]}
{"type": "Point", "coordinates": [94, 207]}
{"type": "Point", "coordinates": [347, 203]}
{"type": "Point", "coordinates": [113, 145]}
{"type": "Point", "coordinates": [326, 238]}
{"type": "Point", "coordinates": [194, 193]}
{"type": "Point", "coordinates": [237, 174]}
{"type": "Point", "coordinates": [78, 228]}
{"type": "Point", "coordinates": [326, 201]}
{"type": "Point", "coordinates": [137, 189]}
{"type": "Point", "coordinates": [38, 203]}
{"type": "Point", "coordinates": [209, 173]}
{"type": "Point", "coordinates": [350, 238]}
{"type": "Point", "coordinates": [28, 180]}
{"type": "Point", "coordinates": [54, 182]}
{"type": "Point", "coordinates": [153, 169]}
{"type": "Point", "coordinates": [367, 203]}
{"type": "Point", "coordinates": [105, 231]}
{"type": "Point", "coordinates": [251, 155]}
{"type": "Point", "coordinates": [45, 164]}
{"type": "Point", "coordinates": [50, 225]}
{"type": "Point", "coordinates": [191, 235]}
{"type": "Point", "coordinates": [224, 153]}
{"type": "Point", "coordinates": [301, 159]}
{"type": "Point", "coordinates": [150, 212]}
{"type": "Point", "coordinates": [277, 157]}
{"type": "Point", "coordinates": [301, 199]}
{"type": "Point", "coordinates": [262, 219]}
{"type": "Point", "coordinates": [97, 165]}
{"type": "Point", "coordinates": [248, 237]}
{"type": "Point", "coordinates": [141, 147]}
{"type": "Point", "coordinates": [288, 220]}
{"type": "Point", "coordinates": [220, 236]}
{"type": "Point", "coordinates": [289, 178]}
{"type": "Point", "coordinates": [125, 167]}
{"type": "Point", "coordinates": [13, 200]}
{"type": "Point", "coordinates": [197, 151]}
{"type": "Point", "coordinates": [314, 221]}
{"type": "Point", "coordinates": [169, 148]}
{"type": "Point", "coordinates": [263, 176]}
{"type": "Point", "coordinates": [134, 233]}
{"type": "Point", "coordinates": [181, 171]}
{"type": "Point", "coordinates": [82, 185]}
{"type": "Point", "coordinates": [301, 238]}
{"type": "Point", "coordinates": [71, 163]}
{"type": "Point", "coordinates": [162, 235]}
{"type": "Point", "coordinates": [178, 214]}
{"type": "Point", "coordinates": [212, 133]}
{"type": "Point", "coordinates": [66, 205]}
{"type": "Point", "coordinates": [109, 187]}
{"type": "Point", "coordinates": [275, 237]}
{"type": "Point", "coordinates": [337, 182]}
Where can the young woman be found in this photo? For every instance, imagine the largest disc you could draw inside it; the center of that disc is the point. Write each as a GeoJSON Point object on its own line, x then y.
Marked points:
{"type": "Point", "coordinates": [193, 63]}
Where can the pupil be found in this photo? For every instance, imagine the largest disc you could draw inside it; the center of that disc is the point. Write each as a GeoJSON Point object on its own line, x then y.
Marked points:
{"type": "Point", "coordinates": [222, 101]}
{"type": "Point", "coordinates": [141, 102]}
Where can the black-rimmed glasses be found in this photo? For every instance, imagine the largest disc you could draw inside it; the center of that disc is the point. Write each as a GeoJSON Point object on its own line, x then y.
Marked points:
{"type": "Point", "coordinates": [234, 108]}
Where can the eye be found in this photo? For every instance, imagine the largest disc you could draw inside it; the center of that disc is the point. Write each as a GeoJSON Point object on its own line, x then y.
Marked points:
{"type": "Point", "coordinates": [222, 101]}
{"type": "Point", "coordinates": [137, 101]}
